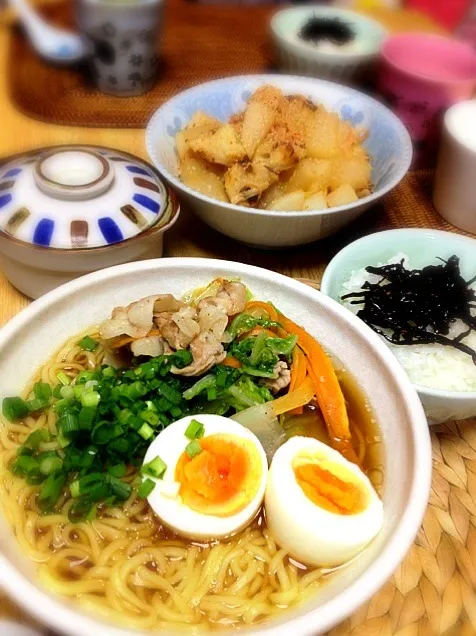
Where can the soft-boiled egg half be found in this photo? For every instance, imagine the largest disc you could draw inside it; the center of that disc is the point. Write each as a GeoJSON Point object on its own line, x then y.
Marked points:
{"type": "Point", "coordinates": [320, 507]}
{"type": "Point", "coordinates": [214, 478]}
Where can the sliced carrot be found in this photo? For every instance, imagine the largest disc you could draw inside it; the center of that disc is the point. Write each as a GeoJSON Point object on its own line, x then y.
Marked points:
{"type": "Point", "coordinates": [231, 361]}
{"type": "Point", "coordinates": [122, 341]}
{"type": "Point", "coordinates": [267, 307]}
{"type": "Point", "coordinates": [328, 391]}
{"type": "Point", "coordinates": [298, 374]}
{"type": "Point", "coordinates": [294, 399]}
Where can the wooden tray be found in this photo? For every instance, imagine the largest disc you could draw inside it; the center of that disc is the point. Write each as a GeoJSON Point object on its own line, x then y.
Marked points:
{"type": "Point", "coordinates": [200, 43]}
{"type": "Point", "coordinates": [433, 592]}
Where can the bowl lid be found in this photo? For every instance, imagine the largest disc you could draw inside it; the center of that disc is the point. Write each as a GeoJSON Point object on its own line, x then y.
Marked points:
{"type": "Point", "coordinates": [72, 197]}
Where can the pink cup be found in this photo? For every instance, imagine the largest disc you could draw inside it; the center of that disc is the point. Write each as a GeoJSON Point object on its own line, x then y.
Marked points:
{"type": "Point", "coordinates": [422, 75]}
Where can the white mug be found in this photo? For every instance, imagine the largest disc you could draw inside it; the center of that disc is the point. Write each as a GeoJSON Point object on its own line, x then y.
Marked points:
{"type": "Point", "coordinates": [454, 192]}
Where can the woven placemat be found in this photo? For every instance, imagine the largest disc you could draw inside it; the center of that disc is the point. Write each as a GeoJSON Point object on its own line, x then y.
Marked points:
{"type": "Point", "coordinates": [433, 592]}
{"type": "Point", "coordinates": [201, 43]}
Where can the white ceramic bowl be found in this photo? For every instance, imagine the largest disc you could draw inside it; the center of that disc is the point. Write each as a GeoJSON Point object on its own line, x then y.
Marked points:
{"type": "Point", "coordinates": [347, 66]}
{"type": "Point", "coordinates": [69, 210]}
{"type": "Point", "coordinates": [423, 247]}
{"type": "Point", "coordinates": [388, 144]}
{"type": "Point", "coordinates": [67, 310]}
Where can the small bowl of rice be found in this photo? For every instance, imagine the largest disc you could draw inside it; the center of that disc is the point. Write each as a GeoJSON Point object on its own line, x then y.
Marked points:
{"type": "Point", "coordinates": [445, 376]}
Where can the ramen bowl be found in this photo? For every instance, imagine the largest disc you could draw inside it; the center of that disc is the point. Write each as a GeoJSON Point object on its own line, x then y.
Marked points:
{"type": "Point", "coordinates": [86, 301]}
{"type": "Point", "coordinates": [388, 145]}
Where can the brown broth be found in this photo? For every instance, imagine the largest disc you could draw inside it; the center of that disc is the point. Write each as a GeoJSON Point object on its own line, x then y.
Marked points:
{"type": "Point", "coordinates": [366, 437]}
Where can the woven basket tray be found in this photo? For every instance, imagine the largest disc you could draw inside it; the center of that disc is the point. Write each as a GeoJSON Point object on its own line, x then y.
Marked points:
{"type": "Point", "coordinates": [433, 592]}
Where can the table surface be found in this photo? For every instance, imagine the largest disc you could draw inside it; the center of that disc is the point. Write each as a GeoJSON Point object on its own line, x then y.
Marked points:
{"type": "Point", "coordinates": [189, 237]}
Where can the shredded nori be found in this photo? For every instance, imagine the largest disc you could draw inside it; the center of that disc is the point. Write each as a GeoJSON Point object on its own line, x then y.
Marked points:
{"type": "Point", "coordinates": [418, 306]}
{"type": "Point", "coordinates": [334, 30]}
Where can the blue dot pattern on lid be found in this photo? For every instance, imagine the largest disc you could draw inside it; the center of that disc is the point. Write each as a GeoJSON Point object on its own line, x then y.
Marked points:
{"type": "Point", "coordinates": [137, 170]}
{"type": "Point", "coordinates": [11, 173]}
{"type": "Point", "coordinates": [43, 232]}
{"type": "Point", "coordinates": [147, 202]}
{"type": "Point", "coordinates": [6, 198]}
{"type": "Point", "coordinates": [53, 223]}
{"type": "Point", "coordinates": [110, 230]}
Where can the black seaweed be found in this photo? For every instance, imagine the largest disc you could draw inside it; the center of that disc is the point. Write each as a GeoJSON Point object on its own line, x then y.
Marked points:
{"type": "Point", "coordinates": [418, 306]}
{"type": "Point", "coordinates": [332, 29]}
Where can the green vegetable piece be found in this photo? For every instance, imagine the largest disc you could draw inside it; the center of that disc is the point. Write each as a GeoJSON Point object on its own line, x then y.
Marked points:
{"type": "Point", "coordinates": [42, 391]}
{"type": "Point", "coordinates": [36, 404]}
{"type": "Point", "coordinates": [14, 408]}
{"type": "Point", "coordinates": [119, 488]}
{"type": "Point", "coordinates": [68, 424]}
{"type": "Point", "coordinates": [146, 431]}
{"type": "Point", "coordinates": [35, 438]}
{"type": "Point", "coordinates": [193, 448]}
{"type": "Point", "coordinates": [50, 465]}
{"type": "Point", "coordinates": [74, 489]}
{"type": "Point", "coordinates": [88, 344]}
{"type": "Point", "coordinates": [146, 488]}
{"type": "Point", "coordinates": [203, 384]}
{"type": "Point", "coordinates": [90, 399]}
{"type": "Point", "coordinates": [195, 430]}
{"type": "Point", "coordinates": [51, 490]}
{"type": "Point", "coordinates": [86, 418]}
{"type": "Point", "coordinates": [63, 378]}
{"type": "Point", "coordinates": [67, 393]}
{"type": "Point", "coordinates": [118, 470]}
{"type": "Point", "coordinates": [156, 468]}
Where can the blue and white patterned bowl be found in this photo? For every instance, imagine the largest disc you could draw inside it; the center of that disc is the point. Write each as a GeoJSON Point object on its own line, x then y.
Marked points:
{"type": "Point", "coordinates": [71, 210]}
{"type": "Point", "coordinates": [388, 144]}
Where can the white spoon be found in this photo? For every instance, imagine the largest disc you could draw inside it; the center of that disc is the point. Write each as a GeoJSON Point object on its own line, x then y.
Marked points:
{"type": "Point", "coordinates": [56, 45]}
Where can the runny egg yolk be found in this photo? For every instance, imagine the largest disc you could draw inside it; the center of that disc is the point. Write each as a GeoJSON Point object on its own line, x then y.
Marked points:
{"type": "Point", "coordinates": [330, 486]}
{"type": "Point", "coordinates": [223, 478]}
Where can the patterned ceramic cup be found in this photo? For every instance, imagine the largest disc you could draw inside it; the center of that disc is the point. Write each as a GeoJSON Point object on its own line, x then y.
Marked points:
{"type": "Point", "coordinates": [122, 39]}
{"type": "Point", "coordinates": [421, 76]}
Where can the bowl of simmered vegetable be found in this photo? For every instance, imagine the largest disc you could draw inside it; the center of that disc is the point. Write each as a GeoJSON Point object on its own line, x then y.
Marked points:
{"type": "Point", "coordinates": [276, 161]}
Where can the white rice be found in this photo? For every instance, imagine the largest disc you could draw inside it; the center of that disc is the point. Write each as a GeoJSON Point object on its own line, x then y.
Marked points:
{"type": "Point", "coordinates": [432, 365]}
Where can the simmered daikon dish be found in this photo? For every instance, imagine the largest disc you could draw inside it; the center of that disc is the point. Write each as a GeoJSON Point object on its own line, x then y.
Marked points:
{"type": "Point", "coordinates": [193, 463]}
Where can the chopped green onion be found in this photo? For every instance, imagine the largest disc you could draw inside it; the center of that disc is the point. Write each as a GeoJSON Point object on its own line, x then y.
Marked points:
{"type": "Point", "coordinates": [14, 408]}
{"type": "Point", "coordinates": [146, 488]}
{"type": "Point", "coordinates": [57, 391]}
{"type": "Point", "coordinates": [42, 391]}
{"type": "Point", "coordinates": [63, 378]}
{"type": "Point", "coordinates": [74, 489]}
{"type": "Point", "coordinates": [146, 431]}
{"type": "Point", "coordinates": [170, 394]}
{"type": "Point", "coordinates": [90, 399]}
{"type": "Point", "coordinates": [105, 431]}
{"type": "Point", "coordinates": [120, 488]}
{"type": "Point", "coordinates": [88, 344]}
{"type": "Point", "coordinates": [86, 418]}
{"type": "Point", "coordinates": [156, 468]}
{"type": "Point", "coordinates": [118, 470]}
{"type": "Point", "coordinates": [151, 417]}
{"type": "Point", "coordinates": [24, 465]}
{"type": "Point", "coordinates": [36, 404]}
{"type": "Point", "coordinates": [193, 448]}
{"type": "Point", "coordinates": [68, 424]}
{"type": "Point", "coordinates": [195, 430]}
{"type": "Point", "coordinates": [35, 438]}
{"type": "Point", "coordinates": [67, 392]}
{"type": "Point", "coordinates": [51, 465]}
{"type": "Point", "coordinates": [80, 509]}
{"type": "Point", "coordinates": [51, 490]}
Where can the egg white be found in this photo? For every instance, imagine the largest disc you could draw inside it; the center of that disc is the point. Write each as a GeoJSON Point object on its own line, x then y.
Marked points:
{"type": "Point", "coordinates": [309, 533]}
{"type": "Point", "coordinates": [165, 500]}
